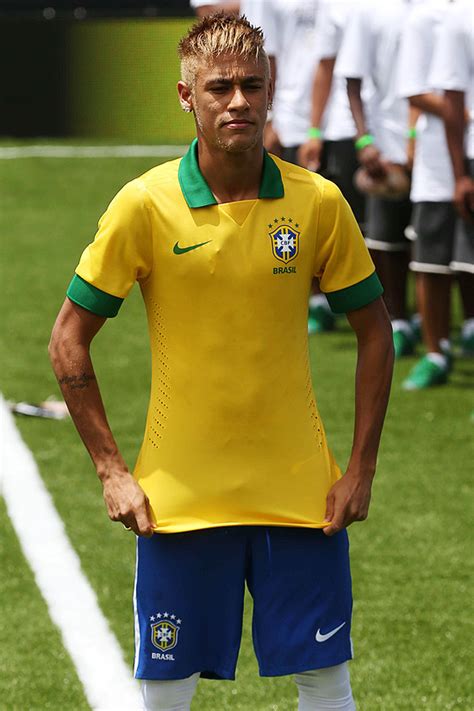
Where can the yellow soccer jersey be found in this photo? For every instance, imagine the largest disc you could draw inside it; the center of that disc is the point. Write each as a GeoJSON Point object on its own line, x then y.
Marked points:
{"type": "Point", "coordinates": [233, 435]}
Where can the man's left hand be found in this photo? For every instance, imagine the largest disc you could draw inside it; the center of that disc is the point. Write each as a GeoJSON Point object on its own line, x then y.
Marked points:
{"type": "Point", "coordinates": [464, 197]}
{"type": "Point", "coordinates": [348, 501]}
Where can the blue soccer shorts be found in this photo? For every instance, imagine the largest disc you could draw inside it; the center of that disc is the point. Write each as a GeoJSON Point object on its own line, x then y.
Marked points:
{"type": "Point", "coordinates": [189, 598]}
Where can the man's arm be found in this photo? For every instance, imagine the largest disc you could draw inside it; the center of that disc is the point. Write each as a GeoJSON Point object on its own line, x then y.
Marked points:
{"type": "Point", "coordinates": [349, 498]}
{"type": "Point", "coordinates": [69, 351]}
{"type": "Point", "coordinates": [355, 62]}
{"type": "Point", "coordinates": [414, 114]}
{"type": "Point", "coordinates": [450, 70]}
{"type": "Point", "coordinates": [309, 154]}
{"type": "Point", "coordinates": [455, 124]}
{"type": "Point", "coordinates": [429, 103]}
{"type": "Point", "coordinates": [369, 156]}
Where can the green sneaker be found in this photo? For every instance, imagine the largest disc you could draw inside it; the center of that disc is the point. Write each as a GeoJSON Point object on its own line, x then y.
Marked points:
{"type": "Point", "coordinates": [425, 374]}
{"type": "Point", "coordinates": [320, 320]}
{"type": "Point", "coordinates": [403, 344]}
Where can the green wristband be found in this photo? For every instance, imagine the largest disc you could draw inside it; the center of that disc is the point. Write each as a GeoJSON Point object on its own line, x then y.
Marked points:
{"type": "Point", "coordinates": [314, 132]}
{"type": "Point", "coordinates": [411, 133]}
{"type": "Point", "coordinates": [363, 141]}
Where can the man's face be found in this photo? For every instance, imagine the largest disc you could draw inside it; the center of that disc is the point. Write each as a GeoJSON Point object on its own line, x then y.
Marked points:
{"type": "Point", "coordinates": [230, 99]}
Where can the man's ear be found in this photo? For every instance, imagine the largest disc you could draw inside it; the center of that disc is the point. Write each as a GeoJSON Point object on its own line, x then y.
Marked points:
{"type": "Point", "coordinates": [185, 96]}
{"type": "Point", "coordinates": [270, 92]}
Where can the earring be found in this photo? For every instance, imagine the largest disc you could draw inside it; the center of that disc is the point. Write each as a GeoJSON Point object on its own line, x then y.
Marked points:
{"type": "Point", "coordinates": [186, 109]}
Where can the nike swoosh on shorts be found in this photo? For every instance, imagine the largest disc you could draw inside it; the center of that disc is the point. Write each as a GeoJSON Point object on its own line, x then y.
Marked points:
{"type": "Point", "coordinates": [323, 637]}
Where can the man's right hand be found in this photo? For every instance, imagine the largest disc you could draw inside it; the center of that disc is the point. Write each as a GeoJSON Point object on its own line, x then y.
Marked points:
{"type": "Point", "coordinates": [69, 349]}
{"type": "Point", "coordinates": [371, 159]}
{"type": "Point", "coordinates": [126, 502]}
{"type": "Point", "coordinates": [309, 154]}
{"type": "Point", "coordinates": [271, 139]}
{"type": "Point", "coordinates": [464, 197]}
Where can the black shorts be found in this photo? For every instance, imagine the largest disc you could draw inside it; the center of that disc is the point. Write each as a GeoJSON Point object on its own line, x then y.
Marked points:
{"type": "Point", "coordinates": [387, 221]}
{"type": "Point", "coordinates": [463, 255]}
{"type": "Point", "coordinates": [434, 226]}
{"type": "Point", "coordinates": [444, 243]}
{"type": "Point", "coordinates": [338, 164]}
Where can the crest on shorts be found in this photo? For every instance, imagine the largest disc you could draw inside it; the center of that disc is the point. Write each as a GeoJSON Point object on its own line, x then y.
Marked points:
{"type": "Point", "coordinates": [285, 240]}
{"type": "Point", "coordinates": [164, 632]}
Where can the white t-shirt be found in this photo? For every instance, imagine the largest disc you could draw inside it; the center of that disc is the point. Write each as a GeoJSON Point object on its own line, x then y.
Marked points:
{"type": "Point", "coordinates": [369, 51]}
{"type": "Point", "coordinates": [432, 178]}
{"type": "Point", "coordinates": [453, 62]}
{"type": "Point", "coordinates": [289, 27]}
{"type": "Point", "coordinates": [337, 120]}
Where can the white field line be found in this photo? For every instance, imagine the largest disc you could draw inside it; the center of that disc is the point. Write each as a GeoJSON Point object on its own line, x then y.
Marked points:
{"type": "Point", "coordinates": [72, 604]}
{"type": "Point", "coordinates": [44, 151]}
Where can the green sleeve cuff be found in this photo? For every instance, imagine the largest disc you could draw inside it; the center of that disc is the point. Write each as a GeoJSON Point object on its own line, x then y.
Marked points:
{"type": "Point", "coordinates": [355, 296]}
{"type": "Point", "coordinates": [93, 299]}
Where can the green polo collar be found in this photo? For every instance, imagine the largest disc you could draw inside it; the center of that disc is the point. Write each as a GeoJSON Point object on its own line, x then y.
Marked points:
{"type": "Point", "coordinates": [197, 192]}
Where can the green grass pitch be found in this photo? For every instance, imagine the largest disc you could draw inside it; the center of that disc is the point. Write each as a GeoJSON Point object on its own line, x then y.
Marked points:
{"type": "Point", "coordinates": [411, 560]}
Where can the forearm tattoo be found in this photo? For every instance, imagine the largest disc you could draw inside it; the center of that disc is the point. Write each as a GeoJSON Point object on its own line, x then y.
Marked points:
{"type": "Point", "coordinates": [77, 382]}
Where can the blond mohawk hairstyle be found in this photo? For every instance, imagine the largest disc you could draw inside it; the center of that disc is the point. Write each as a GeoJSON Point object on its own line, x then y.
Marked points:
{"type": "Point", "coordinates": [218, 34]}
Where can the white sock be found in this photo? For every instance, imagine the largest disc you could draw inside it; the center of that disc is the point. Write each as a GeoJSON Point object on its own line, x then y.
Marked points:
{"type": "Point", "coordinates": [325, 689]}
{"type": "Point", "coordinates": [438, 359]}
{"type": "Point", "coordinates": [172, 695]}
{"type": "Point", "coordinates": [401, 324]}
{"type": "Point", "coordinates": [445, 345]}
{"type": "Point", "coordinates": [316, 300]}
{"type": "Point", "coordinates": [468, 328]}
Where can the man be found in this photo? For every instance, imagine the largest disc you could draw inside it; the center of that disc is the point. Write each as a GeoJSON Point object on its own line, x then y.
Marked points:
{"type": "Point", "coordinates": [329, 144]}
{"type": "Point", "coordinates": [453, 71]}
{"type": "Point", "coordinates": [329, 147]}
{"type": "Point", "coordinates": [432, 190]}
{"type": "Point", "coordinates": [369, 51]}
{"type": "Point", "coordinates": [234, 481]}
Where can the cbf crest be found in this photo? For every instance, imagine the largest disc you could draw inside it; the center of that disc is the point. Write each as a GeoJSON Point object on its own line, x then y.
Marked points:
{"type": "Point", "coordinates": [164, 635]}
{"type": "Point", "coordinates": [285, 240]}
{"type": "Point", "coordinates": [164, 631]}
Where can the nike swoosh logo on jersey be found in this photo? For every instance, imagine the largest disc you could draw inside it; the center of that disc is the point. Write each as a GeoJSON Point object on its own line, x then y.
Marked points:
{"type": "Point", "coordinates": [181, 250]}
{"type": "Point", "coordinates": [323, 637]}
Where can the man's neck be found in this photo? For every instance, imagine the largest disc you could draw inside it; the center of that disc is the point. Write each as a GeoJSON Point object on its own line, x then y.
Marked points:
{"type": "Point", "coordinates": [231, 176]}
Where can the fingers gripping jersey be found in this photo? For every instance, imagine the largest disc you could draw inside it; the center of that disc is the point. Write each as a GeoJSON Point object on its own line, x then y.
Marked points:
{"type": "Point", "coordinates": [233, 435]}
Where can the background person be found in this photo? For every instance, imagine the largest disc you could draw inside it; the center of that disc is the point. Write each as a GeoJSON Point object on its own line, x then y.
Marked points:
{"type": "Point", "coordinates": [453, 71]}
{"type": "Point", "coordinates": [433, 217]}
{"type": "Point", "coordinates": [329, 145]}
{"type": "Point", "coordinates": [369, 51]}
{"type": "Point", "coordinates": [289, 29]}
{"type": "Point", "coordinates": [291, 41]}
